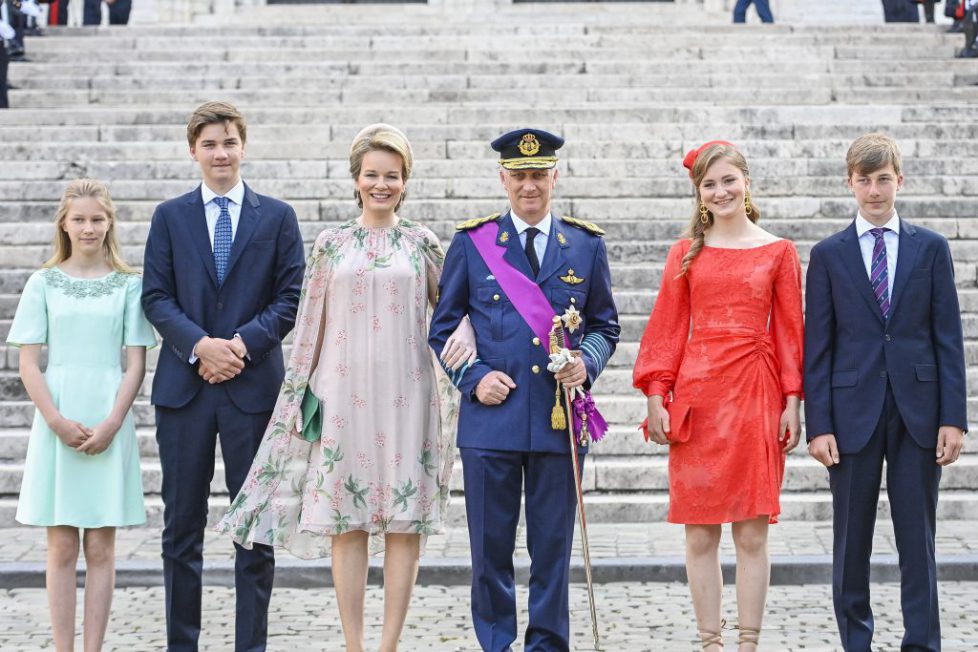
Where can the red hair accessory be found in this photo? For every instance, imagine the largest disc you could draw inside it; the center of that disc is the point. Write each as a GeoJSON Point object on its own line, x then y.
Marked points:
{"type": "Point", "coordinates": [690, 160]}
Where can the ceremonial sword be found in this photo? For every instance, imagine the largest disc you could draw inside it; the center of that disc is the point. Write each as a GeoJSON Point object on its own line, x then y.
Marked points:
{"type": "Point", "coordinates": [557, 342]}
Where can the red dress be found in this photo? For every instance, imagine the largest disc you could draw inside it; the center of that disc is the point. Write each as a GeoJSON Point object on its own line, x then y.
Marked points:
{"type": "Point", "coordinates": [726, 340]}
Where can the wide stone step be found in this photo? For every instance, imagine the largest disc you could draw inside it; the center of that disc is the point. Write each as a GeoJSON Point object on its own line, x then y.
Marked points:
{"type": "Point", "coordinates": [767, 172]}
{"type": "Point", "coordinates": [108, 125]}
{"type": "Point", "coordinates": [567, 112]}
{"type": "Point", "coordinates": [601, 475]}
{"type": "Point", "coordinates": [614, 508]}
{"type": "Point", "coordinates": [627, 410]}
{"type": "Point", "coordinates": [328, 78]}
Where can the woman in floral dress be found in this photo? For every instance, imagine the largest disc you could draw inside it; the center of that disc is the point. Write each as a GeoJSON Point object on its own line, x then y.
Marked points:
{"type": "Point", "coordinates": [374, 475]}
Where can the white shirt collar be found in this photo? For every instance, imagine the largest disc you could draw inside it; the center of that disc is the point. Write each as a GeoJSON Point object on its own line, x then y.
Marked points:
{"type": "Point", "coordinates": [863, 225]}
{"type": "Point", "coordinates": [236, 194]}
{"type": "Point", "coordinates": [521, 226]}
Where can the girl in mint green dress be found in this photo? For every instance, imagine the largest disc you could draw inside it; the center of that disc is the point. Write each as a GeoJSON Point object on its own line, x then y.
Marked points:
{"type": "Point", "coordinates": [82, 468]}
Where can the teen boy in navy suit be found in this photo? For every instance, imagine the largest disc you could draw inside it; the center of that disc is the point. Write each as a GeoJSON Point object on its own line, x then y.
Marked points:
{"type": "Point", "coordinates": [223, 272]}
{"type": "Point", "coordinates": [884, 379]}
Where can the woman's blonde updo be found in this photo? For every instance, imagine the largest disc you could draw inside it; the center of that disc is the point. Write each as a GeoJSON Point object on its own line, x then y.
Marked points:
{"type": "Point", "coordinates": [700, 163]}
{"type": "Point", "coordinates": [382, 137]}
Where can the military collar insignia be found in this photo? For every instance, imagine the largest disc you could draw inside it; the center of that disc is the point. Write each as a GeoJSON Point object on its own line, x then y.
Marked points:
{"type": "Point", "coordinates": [561, 239]}
{"type": "Point", "coordinates": [503, 237]}
{"type": "Point", "coordinates": [571, 279]}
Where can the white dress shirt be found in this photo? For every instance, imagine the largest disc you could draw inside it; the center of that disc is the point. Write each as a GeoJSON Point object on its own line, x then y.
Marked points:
{"type": "Point", "coordinates": [891, 239]}
{"type": "Point", "coordinates": [212, 211]}
{"type": "Point", "coordinates": [540, 241]}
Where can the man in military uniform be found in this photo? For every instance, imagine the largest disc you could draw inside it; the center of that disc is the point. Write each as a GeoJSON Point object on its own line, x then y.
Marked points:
{"type": "Point", "coordinates": [505, 272]}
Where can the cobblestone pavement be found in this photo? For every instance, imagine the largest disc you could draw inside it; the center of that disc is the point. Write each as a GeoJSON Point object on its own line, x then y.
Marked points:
{"type": "Point", "coordinates": [634, 618]}
{"type": "Point", "coordinates": [28, 544]}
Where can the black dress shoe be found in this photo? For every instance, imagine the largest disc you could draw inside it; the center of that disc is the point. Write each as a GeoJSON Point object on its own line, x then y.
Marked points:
{"type": "Point", "coordinates": [956, 27]}
{"type": "Point", "coordinates": [18, 56]}
{"type": "Point", "coordinates": [970, 52]}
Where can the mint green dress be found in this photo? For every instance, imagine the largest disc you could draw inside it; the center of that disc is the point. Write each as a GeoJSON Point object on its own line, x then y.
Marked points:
{"type": "Point", "coordinates": [84, 323]}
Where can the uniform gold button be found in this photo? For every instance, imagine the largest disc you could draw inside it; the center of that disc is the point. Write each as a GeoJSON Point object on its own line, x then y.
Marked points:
{"type": "Point", "coordinates": [495, 297]}
{"type": "Point", "coordinates": [535, 368]}
{"type": "Point", "coordinates": [536, 341]}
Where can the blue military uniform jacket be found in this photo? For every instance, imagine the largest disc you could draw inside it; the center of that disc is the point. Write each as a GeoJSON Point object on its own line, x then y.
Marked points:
{"type": "Point", "coordinates": [574, 273]}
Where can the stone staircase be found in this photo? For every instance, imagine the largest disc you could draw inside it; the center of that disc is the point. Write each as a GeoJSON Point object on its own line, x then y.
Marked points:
{"type": "Point", "coordinates": [631, 87]}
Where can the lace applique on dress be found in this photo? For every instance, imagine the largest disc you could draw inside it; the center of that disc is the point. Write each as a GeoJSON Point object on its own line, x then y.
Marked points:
{"type": "Point", "coordinates": [83, 288]}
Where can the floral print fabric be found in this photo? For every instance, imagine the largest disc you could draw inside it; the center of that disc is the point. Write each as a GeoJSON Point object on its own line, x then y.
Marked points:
{"type": "Point", "coordinates": [726, 341]}
{"type": "Point", "coordinates": [383, 462]}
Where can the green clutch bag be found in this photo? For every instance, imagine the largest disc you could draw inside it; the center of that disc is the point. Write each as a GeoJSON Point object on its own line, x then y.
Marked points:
{"type": "Point", "coordinates": [312, 416]}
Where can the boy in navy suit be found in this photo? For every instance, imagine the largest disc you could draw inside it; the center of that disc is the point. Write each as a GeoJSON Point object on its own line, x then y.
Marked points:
{"type": "Point", "coordinates": [884, 379]}
{"type": "Point", "coordinates": [221, 283]}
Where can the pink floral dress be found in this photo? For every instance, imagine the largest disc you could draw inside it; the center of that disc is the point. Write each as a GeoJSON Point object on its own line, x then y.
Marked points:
{"type": "Point", "coordinates": [384, 460]}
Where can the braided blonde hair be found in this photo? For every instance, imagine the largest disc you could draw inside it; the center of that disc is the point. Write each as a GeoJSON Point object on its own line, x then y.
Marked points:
{"type": "Point", "coordinates": [696, 230]}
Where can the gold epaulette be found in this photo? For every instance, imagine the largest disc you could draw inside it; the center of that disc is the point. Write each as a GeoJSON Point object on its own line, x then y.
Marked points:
{"type": "Point", "coordinates": [590, 227]}
{"type": "Point", "coordinates": [478, 221]}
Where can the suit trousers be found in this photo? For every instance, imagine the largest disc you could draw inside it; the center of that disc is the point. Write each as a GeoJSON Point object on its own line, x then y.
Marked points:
{"type": "Point", "coordinates": [493, 484]}
{"type": "Point", "coordinates": [763, 10]}
{"type": "Point", "coordinates": [900, 11]}
{"type": "Point", "coordinates": [187, 438]}
{"type": "Point", "coordinates": [3, 76]}
{"type": "Point", "coordinates": [912, 479]}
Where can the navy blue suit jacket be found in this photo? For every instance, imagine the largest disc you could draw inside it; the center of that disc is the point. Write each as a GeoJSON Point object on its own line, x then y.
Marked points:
{"type": "Point", "coordinates": [851, 352]}
{"type": "Point", "coordinates": [506, 343]}
{"type": "Point", "coordinates": [258, 298]}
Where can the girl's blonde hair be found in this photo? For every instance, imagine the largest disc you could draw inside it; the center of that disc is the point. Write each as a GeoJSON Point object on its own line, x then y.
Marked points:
{"type": "Point", "coordinates": [78, 189]}
{"type": "Point", "coordinates": [697, 228]}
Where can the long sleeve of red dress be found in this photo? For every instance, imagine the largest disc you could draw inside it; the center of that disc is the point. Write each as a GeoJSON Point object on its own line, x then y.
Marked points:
{"type": "Point", "coordinates": [788, 323]}
{"type": "Point", "coordinates": [665, 336]}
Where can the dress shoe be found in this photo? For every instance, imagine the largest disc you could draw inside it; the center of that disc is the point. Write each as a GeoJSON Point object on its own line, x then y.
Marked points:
{"type": "Point", "coordinates": [970, 52]}
{"type": "Point", "coordinates": [956, 27]}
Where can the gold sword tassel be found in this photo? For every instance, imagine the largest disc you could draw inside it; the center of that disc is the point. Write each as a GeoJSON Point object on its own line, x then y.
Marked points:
{"type": "Point", "coordinates": [557, 419]}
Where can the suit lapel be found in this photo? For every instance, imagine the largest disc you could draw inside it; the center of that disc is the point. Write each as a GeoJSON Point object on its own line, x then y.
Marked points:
{"type": "Point", "coordinates": [199, 234]}
{"type": "Point", "coordinates": [852, 258]}
{"type": "Point", "coordinates": [508, 238]}
{"type": "Point", "coordinates": [247, 223]}
{"type": "Point", "coordinates": [906, 260]}
{"type": "Point", "coordinates": [553, 259]}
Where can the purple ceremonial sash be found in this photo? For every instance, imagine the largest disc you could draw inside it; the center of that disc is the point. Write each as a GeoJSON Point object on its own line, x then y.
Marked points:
{"type": "Point", "coordinates": [527, 297]}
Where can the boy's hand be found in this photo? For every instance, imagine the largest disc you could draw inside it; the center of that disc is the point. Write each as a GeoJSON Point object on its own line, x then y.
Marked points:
{"type": "Point", "coordinates": [950, 442]}
{"type": "Point", "coordinates": [824, 449]}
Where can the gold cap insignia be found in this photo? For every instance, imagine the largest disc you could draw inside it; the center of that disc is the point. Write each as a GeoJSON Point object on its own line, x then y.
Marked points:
{"type": "Point", "coordinates": [571, 279]}
{"type": "Point", "coordinates": [529, 145]}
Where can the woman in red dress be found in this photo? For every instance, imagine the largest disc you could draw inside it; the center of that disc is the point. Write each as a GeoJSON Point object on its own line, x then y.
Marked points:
{"type": "Point", "coordinates": [721, 364]}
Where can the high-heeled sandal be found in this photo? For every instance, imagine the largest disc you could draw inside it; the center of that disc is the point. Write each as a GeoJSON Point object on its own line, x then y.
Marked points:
{"type": "Point", "coordinates": [712, 638]}
{"type": "Point", "coordinates": [748, 635]}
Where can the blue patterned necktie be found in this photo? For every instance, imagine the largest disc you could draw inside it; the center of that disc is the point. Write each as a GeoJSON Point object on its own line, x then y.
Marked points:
{"type": "Point", "coordinates": [879, 277]}
{"type": "Point", "coordinates": [222, 238]}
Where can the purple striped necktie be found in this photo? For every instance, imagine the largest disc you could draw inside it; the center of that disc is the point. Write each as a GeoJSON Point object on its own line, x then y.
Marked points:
{"type": "Point", "coordinates": [879, 277]}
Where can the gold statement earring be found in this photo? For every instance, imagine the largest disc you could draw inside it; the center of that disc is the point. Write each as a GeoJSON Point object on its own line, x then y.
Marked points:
{"type": "Point", "coordinates": [704, 214]}
{"type": "Point", "coordinates": [747, 204]}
